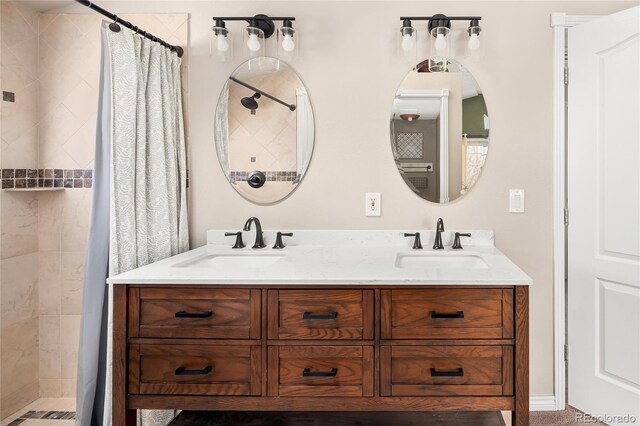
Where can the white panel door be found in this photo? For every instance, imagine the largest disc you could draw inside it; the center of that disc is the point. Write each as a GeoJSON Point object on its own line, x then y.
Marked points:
{"type": "Point", "coordinates": [604, 217]}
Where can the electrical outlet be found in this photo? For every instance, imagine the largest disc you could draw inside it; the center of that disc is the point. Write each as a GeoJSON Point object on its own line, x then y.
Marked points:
{"type": "Point", "coordinates": [372, 204]}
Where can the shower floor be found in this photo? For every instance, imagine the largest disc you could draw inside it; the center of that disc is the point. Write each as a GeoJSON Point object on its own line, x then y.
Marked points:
{"type": "Point", "coordinates": [44, 412]}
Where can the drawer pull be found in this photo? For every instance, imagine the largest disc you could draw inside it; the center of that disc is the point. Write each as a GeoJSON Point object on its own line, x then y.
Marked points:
{"type": "Point", "coordinates": [185, 314]}
{"type": "Point", "coordinates": [459, 372]}
{"type": "Point", "coordinates": [181, 371]}
{"type": "Point", "coordinates": [310, 316]}
{"type": "Point", "coordinates": [459, 314]}
{"type": "Point", "coordinates": [308, 373]}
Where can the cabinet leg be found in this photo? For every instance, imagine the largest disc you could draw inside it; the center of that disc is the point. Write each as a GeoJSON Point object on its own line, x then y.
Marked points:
{"type": "Point", "coordinates": [131, 418]}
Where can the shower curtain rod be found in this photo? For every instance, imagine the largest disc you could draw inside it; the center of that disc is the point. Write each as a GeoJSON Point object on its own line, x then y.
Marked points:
{"type": "Point", "coordinates": [291, 107]}
{"type": "Point", "coordinates": [114, 27]}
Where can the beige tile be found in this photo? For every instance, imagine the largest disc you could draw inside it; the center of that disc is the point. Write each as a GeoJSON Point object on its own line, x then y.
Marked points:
{"type": "Point", "coordinates": [69, 339]}
{"type": "Point", "coordinates": [26, 52]}
{"type": "Point", "coordinates": [19, 357]}
{"type": "Point", "coordinates": [19, 116]}
{"type": "Point", "coordinates": [76, 217]}
{"type": "Point", "coordinates": [56, 128]}
{"type": "Point", "coordinates": [49, 347]}
{"type": "Point", "coordinates": [68, 388]}
{"type": "Point", "coordinates": [22, 152]}
{"type": "Point", "coordinates": [50, 388]}
{"type": "Point", "coordinates": [49, 282]}
{"type": "Point", "coordinates": [11, 403]}
{"type": "Point", "coordinates": [54, 404]}
{"type": "Point", "coordinates": [19, 224]}
{"type": "Point", "coordinates": [40, 422]}
{"type": "Point", "coordinates": [19, 292]}
{"type": "Point", "coordinates": [13, 25]}
{"type": "Point", "coordinates": [50, 222]}
{"type": "Point", "coordinates": [72, 273]}
{"type": "Point", "coordinates": [82, 101]}
{"type": "Point", "coordinates": [81, 145]}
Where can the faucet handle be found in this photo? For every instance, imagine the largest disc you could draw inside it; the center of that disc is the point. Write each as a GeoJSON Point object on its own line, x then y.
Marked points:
{"type": "Point", "coordinates": [239, 243]}
{"type": "Point", "coordinates": [456, 240]}
{"type": "Point", "coordinates": [417, 244]}
{"type": "Point", "coordinates": [279, 244]}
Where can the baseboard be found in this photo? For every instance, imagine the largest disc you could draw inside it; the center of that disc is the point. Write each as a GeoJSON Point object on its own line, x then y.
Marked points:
{"type": "Point", "coordinates": [542, 403]}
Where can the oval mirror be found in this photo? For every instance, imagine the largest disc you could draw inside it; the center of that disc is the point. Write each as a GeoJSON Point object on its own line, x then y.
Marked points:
{"type": "Point", "coordinates": [439, 130]}
{"type": "Point", "coordinates": [264, 130]}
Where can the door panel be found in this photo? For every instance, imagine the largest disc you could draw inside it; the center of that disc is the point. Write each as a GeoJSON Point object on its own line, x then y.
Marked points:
{"type": "Point", "coordinates": [604, 207]}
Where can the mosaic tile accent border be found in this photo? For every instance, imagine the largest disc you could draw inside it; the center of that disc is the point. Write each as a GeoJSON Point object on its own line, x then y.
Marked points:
{"type": "Point", "coordinates": [44, 415]}
{"type": "Point", "coordinates": [274, 176]}
{"type": "Point", "coordinates": [47, 178]}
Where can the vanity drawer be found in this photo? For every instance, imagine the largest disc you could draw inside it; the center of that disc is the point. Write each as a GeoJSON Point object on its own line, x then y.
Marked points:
{"type": "Point", "coordinates": [447, 314]}
{"type": "Point", "coordinates": [194, 369]}
{"type": "Point", "coordinates": [195, 313]}
{"type": "Point", "coordinates": [446, 370]}
{"type": "Point", "coordinates": [320, 371]}
{"type": "Point", "coordinates": [320, 314]}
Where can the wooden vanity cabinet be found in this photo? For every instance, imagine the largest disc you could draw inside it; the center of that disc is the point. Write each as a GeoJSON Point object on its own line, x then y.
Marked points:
{"type": "Point", "coordinates": [320, 348]}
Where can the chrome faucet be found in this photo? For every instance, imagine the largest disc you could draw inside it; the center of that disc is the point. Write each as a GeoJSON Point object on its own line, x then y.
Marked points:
{"type": "Point", "coordinates": [259, 239]}
{"type": "Point", "coordinates": [437, 244]}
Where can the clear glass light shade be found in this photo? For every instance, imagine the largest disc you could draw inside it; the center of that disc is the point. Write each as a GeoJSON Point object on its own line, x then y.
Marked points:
{"type": "Point", "coordinates": [254, 41]}
{"type": "Point", "coordinates": [473, 39]}
{"type": "Point", "coordinates": [407, 43]}
{"type": "Point", "coordinates": [221, 43]}
{"type": "Point", "coordinates": [288, 41]}
{"type": "Point", "coordinates": [440, 42]}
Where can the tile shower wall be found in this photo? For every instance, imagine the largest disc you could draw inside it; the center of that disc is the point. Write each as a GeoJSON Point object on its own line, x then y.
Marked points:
{"type": "Point", "coordinates": [18, 211]}
{"type": "Point", "coordinates": [69, 58]}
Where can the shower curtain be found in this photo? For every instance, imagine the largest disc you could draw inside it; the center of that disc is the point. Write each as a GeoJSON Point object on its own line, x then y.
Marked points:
{"type": "Point", "coordinates": [139, 208]}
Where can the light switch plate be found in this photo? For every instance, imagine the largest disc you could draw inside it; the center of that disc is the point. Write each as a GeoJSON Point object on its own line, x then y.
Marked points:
{"type": "Point", "coordinates": [372, 204]}
{"type": "Point", "coordinates": [516, 201]}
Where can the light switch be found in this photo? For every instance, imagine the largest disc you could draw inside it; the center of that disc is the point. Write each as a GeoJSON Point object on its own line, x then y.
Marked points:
{"type": "Point", "coordinates": [516, 201]}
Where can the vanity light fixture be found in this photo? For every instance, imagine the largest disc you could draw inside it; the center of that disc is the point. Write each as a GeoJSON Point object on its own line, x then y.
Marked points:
{"type": "Point", "coordinates": [260, 28]}
{"type": "Point", "coordinates": [439, 27]}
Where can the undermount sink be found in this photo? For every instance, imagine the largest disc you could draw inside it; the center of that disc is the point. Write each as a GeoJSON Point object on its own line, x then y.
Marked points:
{"type": "Point", "coordinates": [440, 260]}
{"type": "Point", "coordinates": [240, 260]}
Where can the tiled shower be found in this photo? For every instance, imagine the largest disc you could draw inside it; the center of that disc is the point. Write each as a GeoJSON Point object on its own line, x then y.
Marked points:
{"type": "Point", "coordinates": [49, 77]}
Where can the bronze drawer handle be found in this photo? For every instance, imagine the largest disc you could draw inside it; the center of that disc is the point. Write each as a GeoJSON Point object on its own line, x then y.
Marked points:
{"type": "Point", "coordinates": [459, 314]}
{"type": "Point", "coordinates": [310, 316]}
{"type": "Point", "coordinates": [185, 314]}
{"type": "Point", "coordinates": [459, 372]}
{"type": "Point", "coordinates": [181, 371]}
{"type": "Point", "coordinates": [308, 373]}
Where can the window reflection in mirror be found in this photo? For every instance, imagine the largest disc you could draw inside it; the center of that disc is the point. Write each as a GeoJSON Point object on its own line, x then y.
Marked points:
{"type": "Point", "coordinates": [439, 131]}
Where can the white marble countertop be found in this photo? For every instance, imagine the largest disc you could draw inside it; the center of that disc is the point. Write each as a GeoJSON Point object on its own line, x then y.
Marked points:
{"type": "Point", "coordinates": [333, 258]}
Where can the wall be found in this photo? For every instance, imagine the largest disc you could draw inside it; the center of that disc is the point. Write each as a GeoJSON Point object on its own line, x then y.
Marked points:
{"type": "Point", "coordinates": [18, 211]}
{"type": "Point", "coordinates": [349, 68]}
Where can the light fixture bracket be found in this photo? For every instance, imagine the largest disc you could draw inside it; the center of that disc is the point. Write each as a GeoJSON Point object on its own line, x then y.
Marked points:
{"type": "Point", "coordinates": [438, 21]}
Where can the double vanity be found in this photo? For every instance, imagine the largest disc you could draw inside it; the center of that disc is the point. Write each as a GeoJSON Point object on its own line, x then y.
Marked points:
{"type": "Point", "coordinates": [324, 321]}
